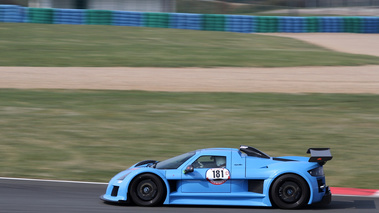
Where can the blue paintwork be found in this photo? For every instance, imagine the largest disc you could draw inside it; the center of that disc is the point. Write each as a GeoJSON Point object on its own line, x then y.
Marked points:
{"type": "Point", "coordinates": [194, 189]}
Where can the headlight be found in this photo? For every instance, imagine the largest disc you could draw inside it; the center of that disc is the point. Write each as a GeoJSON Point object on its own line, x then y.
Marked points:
{"type": "Point", "coordinates": [120, 179]}
{"type": "Point", "coordinates": [319, 171]}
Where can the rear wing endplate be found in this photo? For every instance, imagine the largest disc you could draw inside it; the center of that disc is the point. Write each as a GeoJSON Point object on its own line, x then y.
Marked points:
{"type": "Point", "coordinates": [319, 155]}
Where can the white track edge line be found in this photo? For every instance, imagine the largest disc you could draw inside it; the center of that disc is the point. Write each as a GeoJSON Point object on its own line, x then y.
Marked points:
{"type": "Point", "coordinates": [54, 181]}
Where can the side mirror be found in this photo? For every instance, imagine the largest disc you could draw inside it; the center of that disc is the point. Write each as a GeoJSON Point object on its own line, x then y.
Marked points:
{"type": "Point", "coordinates": [188, 169]}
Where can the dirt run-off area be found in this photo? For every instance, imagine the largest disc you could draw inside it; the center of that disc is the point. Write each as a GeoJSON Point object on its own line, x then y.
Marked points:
{"type": "Point", "coordinates": [344, 79]}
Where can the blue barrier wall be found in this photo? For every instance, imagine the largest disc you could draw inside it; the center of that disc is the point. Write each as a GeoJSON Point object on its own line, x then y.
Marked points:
{"type": "Point", "coordinates": [11, 13]}
{"type": "Point", "coordinates": [125, 18]}
{"type": "Point", "coordinates": [370, 25]}
{"type": "Point", "coordinates": [212, 22]}
{"type": "Point", "coordinates": [186, 21]}
{"type": "Point", "coordinates": [292, 25]}
{"type": "Point", "coordinates": [240, 24]}
{"type": "Point", "coordinates": [69, 16]}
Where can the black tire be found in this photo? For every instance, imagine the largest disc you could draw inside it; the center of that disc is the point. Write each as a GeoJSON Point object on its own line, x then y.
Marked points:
{"type": "Point", "coordinates": [147, 190]}
{"type": "Point", "coordinates": [289, 191]}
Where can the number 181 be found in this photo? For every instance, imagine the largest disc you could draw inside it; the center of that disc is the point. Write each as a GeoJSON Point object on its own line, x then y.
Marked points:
{"type": "Point", "coordinates": [218, 173]}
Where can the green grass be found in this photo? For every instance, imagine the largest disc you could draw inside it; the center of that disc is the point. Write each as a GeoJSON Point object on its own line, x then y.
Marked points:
{"type": "Point", "coordinates": [92, 135]}
{"type": "Point", "coordinates": [112, 46]}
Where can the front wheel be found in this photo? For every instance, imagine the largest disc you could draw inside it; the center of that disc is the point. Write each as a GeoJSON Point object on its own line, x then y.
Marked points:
{"type": "Point", "coordinates": [289, 191]}
{"type": "Point", "coordinates": [147, 190]}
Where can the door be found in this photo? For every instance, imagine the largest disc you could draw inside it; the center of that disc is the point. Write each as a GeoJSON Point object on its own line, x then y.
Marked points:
{"type": "Point", "coordinates": [211, 174]}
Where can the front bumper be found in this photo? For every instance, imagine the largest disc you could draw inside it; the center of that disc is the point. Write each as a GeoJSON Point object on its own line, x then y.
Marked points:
{"type": "Point", "coordinates": [114, 193]}
{"type": "Point", "coordinates": [110, 199]}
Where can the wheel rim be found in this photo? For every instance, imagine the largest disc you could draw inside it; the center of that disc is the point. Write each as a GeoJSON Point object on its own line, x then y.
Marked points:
{"type": "Point", "coordinates": [290, 192]}
{"type": "Point", "coordinates": [147, 190]}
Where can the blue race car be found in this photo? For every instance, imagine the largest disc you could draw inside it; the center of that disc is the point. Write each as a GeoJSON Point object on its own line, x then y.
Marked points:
{"type": "Point", "coordinates": [225, 176]}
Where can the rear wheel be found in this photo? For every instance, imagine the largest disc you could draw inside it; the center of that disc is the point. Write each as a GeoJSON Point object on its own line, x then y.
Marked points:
{"type": "Point", "coordinates": [289, 191]}
{"type": "Point", "coordinates": [147, 190]}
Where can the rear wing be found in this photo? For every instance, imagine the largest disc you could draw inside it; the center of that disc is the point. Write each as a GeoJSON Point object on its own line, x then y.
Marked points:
{"type": "Point", "coordinates": [319, 155]}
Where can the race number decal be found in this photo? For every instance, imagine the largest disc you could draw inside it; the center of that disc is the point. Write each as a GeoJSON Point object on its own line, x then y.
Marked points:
{"type": "Point", "coordinates": [217, 176]}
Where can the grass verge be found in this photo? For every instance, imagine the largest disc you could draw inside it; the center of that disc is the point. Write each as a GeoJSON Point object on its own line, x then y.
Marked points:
{"type": "Point", "coordinates": [111, 46]}
{"type": "Point", "coordinates": [92, 135]}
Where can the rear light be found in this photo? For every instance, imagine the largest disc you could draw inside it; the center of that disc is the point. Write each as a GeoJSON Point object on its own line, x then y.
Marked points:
{"type": "Point", "coordinates": [319, 171]}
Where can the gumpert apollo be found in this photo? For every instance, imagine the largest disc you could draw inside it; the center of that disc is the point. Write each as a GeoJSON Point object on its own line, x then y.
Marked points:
{"type": "Point", "coordinates": [225, 176]}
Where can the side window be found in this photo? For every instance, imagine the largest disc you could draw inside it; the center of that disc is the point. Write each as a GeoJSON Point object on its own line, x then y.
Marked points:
{"type": "Point", "coordinates": [209, 161]}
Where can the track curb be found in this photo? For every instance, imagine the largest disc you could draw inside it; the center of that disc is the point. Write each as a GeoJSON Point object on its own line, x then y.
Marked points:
{"type": "Point", "coordinates": [354, 192]}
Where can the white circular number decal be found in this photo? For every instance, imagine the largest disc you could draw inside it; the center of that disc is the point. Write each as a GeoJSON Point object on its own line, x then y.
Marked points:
{"type": "Point", "coordinates": [218, 176]}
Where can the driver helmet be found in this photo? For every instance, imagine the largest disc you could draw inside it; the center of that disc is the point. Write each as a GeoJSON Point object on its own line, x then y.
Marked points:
{"type": "Point", "coordinates": [220, 161]}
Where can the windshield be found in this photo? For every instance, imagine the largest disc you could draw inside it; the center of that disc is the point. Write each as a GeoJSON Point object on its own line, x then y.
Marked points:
{"type": "Point", "coordinates": [175, 162]}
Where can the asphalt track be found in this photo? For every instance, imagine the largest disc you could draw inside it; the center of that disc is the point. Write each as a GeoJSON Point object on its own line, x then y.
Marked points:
{"type": "Point", "coordinates": [44, 196]}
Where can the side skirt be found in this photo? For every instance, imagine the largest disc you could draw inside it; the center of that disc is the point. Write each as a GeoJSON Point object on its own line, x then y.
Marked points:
{"type": "Point", "coordinates": [228, 199]}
